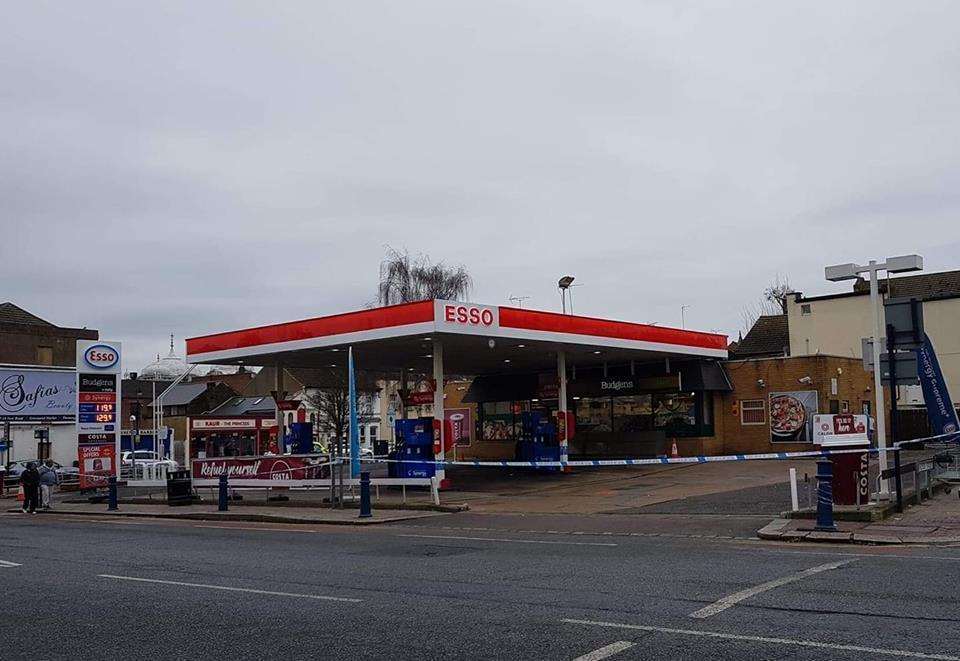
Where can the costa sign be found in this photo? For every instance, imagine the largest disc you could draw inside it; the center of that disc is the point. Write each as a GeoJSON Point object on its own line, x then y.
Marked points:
{"type": "Point", "coordinates": [468, 315]}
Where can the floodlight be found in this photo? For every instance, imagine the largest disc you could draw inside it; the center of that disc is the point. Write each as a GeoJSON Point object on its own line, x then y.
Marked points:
{"type": "Point", "coordinates": [565, 281]}
{"type": "Point", "coordinates": [904, 264]}
{"type": "Point", "coordinates": [840, 272]}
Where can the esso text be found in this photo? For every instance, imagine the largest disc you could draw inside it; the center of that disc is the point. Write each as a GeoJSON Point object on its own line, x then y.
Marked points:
{"type": "Point", "coordinates": [467, 314]}
{"type": "Point", "coordinates": [101, 356]}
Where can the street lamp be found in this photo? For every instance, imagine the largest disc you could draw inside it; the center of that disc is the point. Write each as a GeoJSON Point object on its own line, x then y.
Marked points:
{"type": "Point", "coordinates": [851, 271]}
{"type": "Point", "coordinates": [564, 284]}
{"type": "Point", "coordinates": [683, 318]}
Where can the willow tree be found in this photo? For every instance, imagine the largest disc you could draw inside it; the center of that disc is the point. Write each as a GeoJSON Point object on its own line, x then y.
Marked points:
{"type": "Point", "coordinates": [404, 279]}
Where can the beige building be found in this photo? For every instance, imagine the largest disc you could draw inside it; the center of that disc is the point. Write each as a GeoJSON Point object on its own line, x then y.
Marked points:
{"type": "Point", "coordinates": [834, 324]}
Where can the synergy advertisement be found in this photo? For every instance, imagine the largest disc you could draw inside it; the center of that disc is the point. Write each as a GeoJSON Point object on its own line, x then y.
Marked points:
{"type": "Point", "coordinates": [791, 416]}
{"type": "Point", "coordinates": [97, 410]}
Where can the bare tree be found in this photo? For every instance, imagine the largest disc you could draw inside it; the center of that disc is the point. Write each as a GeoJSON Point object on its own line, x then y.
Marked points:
{"type": "Point", "coordinates": [773, 301]}
{"type": "Point", "coordinates": [331, 399]}
{"type": "Point", "coordinates": [404, 278]}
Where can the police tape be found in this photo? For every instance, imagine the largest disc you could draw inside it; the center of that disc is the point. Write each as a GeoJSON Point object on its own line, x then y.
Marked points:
{"type": "Point", "coordinates": [654, 461]}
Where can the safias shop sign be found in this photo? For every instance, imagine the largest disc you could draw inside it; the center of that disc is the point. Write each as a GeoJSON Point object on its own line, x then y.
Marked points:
{"type": "Point", "coordinates": [37, 395]}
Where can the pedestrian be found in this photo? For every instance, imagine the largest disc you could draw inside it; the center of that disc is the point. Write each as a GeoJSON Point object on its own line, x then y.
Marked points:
{"type": "Point", "coordinates": [48, 480]}
{"type": "Point", "coordinates": [30, 481]}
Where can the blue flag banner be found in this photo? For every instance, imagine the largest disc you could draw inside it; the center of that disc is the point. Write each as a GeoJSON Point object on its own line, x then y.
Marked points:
{"type": "Point", "coordinates": [943, 417]}
{"type": "Point", "coordinates": [354, 424]}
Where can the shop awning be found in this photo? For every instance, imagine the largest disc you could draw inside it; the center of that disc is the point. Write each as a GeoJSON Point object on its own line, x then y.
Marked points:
{"type": "Point", "coordinates": [502, 388]}
{"type": "Point", "coordinates": [705, 375]}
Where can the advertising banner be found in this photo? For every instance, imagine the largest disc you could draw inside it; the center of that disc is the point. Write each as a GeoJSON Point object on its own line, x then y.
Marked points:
{"type": "Point", "coordinates": [791, 416]}
{"type": "Point", "coordinates": [28, 395]}
{"type": "Point", "coordinates": [303, 467]}
{"type": "Point", "coordinates": [97, 464]}
{"type": "Point", "coordinates": [840, 429]}
{"type": "Point", "coordinates": [943, 417]}
{"type": "Point", "coordinates": [461, 425]}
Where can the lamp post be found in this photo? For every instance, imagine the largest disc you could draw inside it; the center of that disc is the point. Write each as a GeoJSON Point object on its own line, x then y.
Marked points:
{"type": "Point", "coordinates": [850, 271]}
{"type": "Point", "coordinates": [683, 317]}
{"type": "Point", "coordinates": [564, 285]}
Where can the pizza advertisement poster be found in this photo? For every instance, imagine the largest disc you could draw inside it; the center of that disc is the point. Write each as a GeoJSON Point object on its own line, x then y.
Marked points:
{"type": "Point", "coordinates": [791, 416]}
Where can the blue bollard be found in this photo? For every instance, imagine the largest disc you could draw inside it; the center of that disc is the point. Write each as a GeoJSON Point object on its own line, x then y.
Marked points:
{"type": "Point", "coordinates": [112, 494]}
{"type": "Point", "coordinates": [365, 510]}
{"type": "Point", "coordinates": [825, 497]}
{"type": "Point", "coordinates": [222, 502]}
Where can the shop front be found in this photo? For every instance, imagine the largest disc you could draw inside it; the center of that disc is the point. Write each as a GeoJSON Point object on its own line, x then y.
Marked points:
{"type": "Point", "coordinates": [231, 436]}
{"type": "Point", "coordinates": [622, 410]}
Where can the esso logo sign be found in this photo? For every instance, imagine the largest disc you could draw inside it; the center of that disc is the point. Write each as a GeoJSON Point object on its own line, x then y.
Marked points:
{"type": "Point", "coordinates": [468, 315]}
{"type": "Point", "coordinates": [101, 356]}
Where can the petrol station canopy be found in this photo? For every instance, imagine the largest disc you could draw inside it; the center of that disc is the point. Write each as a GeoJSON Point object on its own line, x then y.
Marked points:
{"type": "Point", "coordinates": [476, 340]}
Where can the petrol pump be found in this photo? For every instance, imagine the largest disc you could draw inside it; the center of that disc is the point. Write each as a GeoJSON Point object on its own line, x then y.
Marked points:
{"type": "Point", "coordinates": [417, 446]}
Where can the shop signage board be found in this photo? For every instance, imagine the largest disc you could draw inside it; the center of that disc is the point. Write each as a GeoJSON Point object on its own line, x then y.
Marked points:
{"type": "Point", "coordinates": [97, 408]}
{"type": "Point", "coordinates": [37, 395]}
{"type": "Point", "coordinates": [791, 416]}
{"type": "Point", "coordinates": [839, 430]}
{"type": "Point", "coordinates": [225, 423]}
{"type": "Point", "coordinates": [466, 317]}
{"type": "Point", "coordinates": [624, 385]}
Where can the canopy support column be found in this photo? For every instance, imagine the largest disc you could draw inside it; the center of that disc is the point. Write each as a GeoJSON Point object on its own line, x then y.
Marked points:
{"type": "Point", "coordinates": [562, 404]}
{"type": "Point", "coordinates": [438, 414]}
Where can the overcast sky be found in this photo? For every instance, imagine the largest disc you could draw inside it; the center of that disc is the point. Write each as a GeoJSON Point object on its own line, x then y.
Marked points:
{"type": "Point", "coordinates": [201, 166]}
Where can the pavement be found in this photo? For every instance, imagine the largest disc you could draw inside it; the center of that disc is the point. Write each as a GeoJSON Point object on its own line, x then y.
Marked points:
{"type": "Point", "coordinates": [116, 588]}
{"type": "Point", "coordinates": [934, 522]}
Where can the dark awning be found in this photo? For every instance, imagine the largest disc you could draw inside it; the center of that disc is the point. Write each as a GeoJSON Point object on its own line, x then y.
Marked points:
{"type": "Point", "coordinates": [704, 375]}
{"type": "Point", "coordinates": [502, 388]}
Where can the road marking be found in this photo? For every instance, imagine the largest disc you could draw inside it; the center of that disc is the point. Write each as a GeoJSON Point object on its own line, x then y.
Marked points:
{"type": "Point", "coordinates": [513, 541]}
{"type": "Point", "coordinates": [606, 651]}
{"type": "Point", "coordinates": [858, 555]}
{"type": "Point", "coordinates": [735, 598]}
{"type": "Point", "coordinates": [230, 589]}
{"type": "Point", "coordinates": [772, 641]}
{"type": "Point", "coordinates": [5, 563]}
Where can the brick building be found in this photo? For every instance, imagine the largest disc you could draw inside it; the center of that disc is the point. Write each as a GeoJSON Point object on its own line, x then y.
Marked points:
{"type": "Point", "coordinates": [26, 339]}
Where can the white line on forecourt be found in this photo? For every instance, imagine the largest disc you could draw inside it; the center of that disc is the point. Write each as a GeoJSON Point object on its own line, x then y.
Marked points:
{"type": "Point", "coordinates": [771, 641]}
{"type": "Point", "coordinates": [511, 541]}
{"type": "Point", "coordinates": [606, 651]}
{"type": "Point", "coordinates": [7, 563]}
{"type": "Point", "coordinates": [230, 589]}
{"type": "Point", "coordinates": [735, 598]}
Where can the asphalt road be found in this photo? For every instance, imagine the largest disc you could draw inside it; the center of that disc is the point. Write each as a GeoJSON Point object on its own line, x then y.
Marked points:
{"type": "Point", "coordinates": [460, 587]}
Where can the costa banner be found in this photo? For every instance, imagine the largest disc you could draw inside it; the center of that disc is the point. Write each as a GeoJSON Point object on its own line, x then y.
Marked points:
{"type": "Point", "coordinates": [283, 468]}
{"type": "Point", "coordinates": [28, 395]}
{"type": "Point", "coordinates": [461, 425]}
{"type": "Point", "coordinates": [943, 417]}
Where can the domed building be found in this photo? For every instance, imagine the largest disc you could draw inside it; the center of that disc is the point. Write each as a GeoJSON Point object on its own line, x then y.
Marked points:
{"type": "Point", "coordinates": [168, 368]}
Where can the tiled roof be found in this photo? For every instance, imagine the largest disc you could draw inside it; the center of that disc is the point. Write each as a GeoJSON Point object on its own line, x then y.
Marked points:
{"type": "Point", "coordinates": [770, 336]}
{"type": "Point", "coordinates": [14, 314]}
{"type": "Point", "coordinates": [922, 285]}
{"type": "Point", "coordinates": [245, 406]}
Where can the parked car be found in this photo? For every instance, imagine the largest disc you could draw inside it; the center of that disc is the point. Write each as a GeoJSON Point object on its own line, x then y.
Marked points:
{"type": "Point", "coordinates": [65, 473]}
{"type": "Point", "coordinates": [146, 458]}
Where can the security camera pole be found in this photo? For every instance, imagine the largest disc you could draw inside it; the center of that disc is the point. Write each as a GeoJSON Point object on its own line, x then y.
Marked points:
{"type": "Point", "coordinates": [851, 271]}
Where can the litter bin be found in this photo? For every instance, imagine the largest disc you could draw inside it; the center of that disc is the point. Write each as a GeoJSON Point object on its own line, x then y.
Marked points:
{"type": "Point", "coordinates": [179, 488]}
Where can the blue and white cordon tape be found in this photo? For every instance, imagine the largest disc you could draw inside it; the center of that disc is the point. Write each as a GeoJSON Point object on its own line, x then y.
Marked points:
{"type": "Point", "coordinates": [700, 459]}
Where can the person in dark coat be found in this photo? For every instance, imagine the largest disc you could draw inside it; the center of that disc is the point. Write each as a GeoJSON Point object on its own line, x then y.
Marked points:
{"type": "Point", "coordinates": [30, 481]}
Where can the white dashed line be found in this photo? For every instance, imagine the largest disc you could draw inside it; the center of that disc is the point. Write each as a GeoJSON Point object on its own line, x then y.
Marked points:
{"type": "Point", "coordinates": [8, 564]}
{"type": "Point", "coordinates": [770, 641]}
{"type": "Point", "coordinates": [735, 598]}
{"type": "Point", "coordinates": [606, 651]}
{"type": "Point", "coordinates": [230, 589]}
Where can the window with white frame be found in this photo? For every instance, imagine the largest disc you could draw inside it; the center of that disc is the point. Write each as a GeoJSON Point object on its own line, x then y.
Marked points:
{"type": "Point", "coordinates": [753, 412]}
